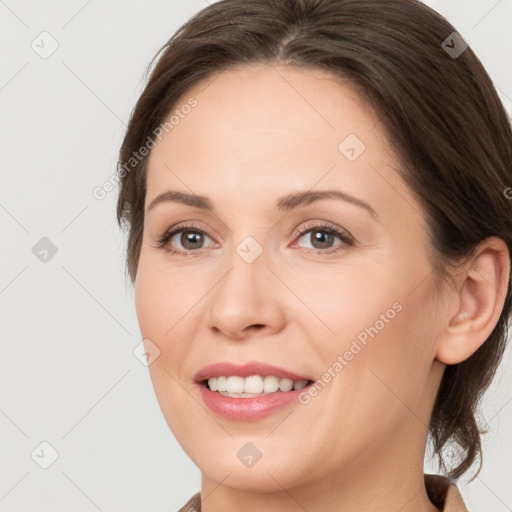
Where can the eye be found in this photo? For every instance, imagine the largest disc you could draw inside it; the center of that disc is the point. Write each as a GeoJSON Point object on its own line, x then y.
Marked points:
{"type": "Point", "coordinates": [322, 237]}
{"type": "Point", "coordinates": [187, 238]}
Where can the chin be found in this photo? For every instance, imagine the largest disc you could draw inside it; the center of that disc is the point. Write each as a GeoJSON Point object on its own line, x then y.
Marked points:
{"type": "Point", "coordinates": [269, 475]}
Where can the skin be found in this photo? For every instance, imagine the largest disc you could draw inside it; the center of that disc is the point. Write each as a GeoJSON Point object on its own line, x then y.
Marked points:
{"type": "Point", "coordinates": [256, 134]}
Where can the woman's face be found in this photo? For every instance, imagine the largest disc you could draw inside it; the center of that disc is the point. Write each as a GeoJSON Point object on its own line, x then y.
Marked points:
{"type": "Point", "coordinates": [331, 288]}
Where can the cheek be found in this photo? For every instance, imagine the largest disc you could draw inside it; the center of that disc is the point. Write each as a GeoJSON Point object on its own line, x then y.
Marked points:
{"type": "Point", "coordinates": [164, 312]}
{"type": "Point", "coordinates": [392, 370]}
{"type": "Point", "coordinates": [165, 300]}
{"type": "Point", "coordinates": [344, 305]}
{"type": "Point", "coordinates": [382, 340]}
{"type": "Point", "coordinates": [168, 313]}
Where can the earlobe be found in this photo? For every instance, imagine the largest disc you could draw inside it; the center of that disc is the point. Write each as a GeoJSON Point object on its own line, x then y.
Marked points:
{"type": "Point", "coordinates": [482, 288]}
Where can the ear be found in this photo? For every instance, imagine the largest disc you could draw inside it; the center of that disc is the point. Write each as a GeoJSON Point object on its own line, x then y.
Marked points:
{"type": "Point", "coordinates": [478, 300]}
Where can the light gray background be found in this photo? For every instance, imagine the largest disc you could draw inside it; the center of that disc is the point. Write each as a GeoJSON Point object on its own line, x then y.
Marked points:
{"type": "Point", "coordinates": [68, 326]}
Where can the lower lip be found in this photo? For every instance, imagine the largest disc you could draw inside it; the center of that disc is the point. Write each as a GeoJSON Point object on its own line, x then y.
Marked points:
{"type": "Point", "coordinates": [247, 409]}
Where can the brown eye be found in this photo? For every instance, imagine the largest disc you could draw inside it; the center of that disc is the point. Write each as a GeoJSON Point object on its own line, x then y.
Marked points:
{"type": "Point", "coordinates": [191, 240]}
{"type": "Point", "coordinates": [320, 239]}
{"type": "Point", "coordinates": [184, 240]}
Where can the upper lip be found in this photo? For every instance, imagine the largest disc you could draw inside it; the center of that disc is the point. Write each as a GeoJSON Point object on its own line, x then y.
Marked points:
{"type": "Point", "coordinates": [227, 368]}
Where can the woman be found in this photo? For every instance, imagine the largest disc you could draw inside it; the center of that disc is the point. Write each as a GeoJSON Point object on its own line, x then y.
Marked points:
{"type": "Point", "coordinates": [319, 238]}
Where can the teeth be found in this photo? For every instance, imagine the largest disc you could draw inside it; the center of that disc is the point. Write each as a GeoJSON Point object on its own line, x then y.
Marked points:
{"type": "Point", "coordinates": [286, 384]}
{"type": "Point", "coordinates": [213, 384]}
{"type": "Point", "coordinates": [253, 385]}
{"type": "Point", "coordinates": [300, 384]}
{"type": "Point", "coordinates": [270, 384]}
{"type": "Point", "coordinates": [221, 384]}
{"type": "Point", "coordinates": [235, 384]}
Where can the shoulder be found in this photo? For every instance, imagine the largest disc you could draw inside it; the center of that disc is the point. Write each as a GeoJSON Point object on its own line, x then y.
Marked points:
{"type": "Point", "coordinates": [441, 491]}
{"type": "Point", "coordinates": [193, 504]}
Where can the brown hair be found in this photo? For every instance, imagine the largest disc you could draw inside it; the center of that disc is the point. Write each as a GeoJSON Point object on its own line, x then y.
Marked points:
{"type": "Point", "coordinates": [440, 112]}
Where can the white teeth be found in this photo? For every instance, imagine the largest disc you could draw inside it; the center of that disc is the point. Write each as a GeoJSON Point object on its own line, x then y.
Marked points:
{"type": "Point", "coordinates": [212, 383]}
{"type": "Point", "coordinates": [221, 384]}
{"type": "Point", "coordinates": [270, 384]}
{"type": "Point", "coordinates": [235, 384]}
{"type": "Point", "coordinates": [286, 384]}
{"type": "Point", "coordinates": [253, 385]}
{"type": "Point", "coordinates": [299, 384]}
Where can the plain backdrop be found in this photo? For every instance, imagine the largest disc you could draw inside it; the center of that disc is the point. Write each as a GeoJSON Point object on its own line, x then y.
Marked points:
{"type": "Point", "coordinates": [69, 378]}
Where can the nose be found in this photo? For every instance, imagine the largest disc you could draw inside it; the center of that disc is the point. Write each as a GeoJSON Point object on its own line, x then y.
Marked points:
{"type": "Point", "coordinates": [246, 300]}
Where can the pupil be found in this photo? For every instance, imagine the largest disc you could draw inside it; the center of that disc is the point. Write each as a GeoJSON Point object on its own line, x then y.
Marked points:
{"type": "Point", "coordinates": [191, 238]}
{"type": "Point", "coordinates": [327, 239]}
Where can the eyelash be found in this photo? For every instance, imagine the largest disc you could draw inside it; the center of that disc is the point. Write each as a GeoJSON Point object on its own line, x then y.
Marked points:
{"type": "Point", "coordinates": [299, 233]}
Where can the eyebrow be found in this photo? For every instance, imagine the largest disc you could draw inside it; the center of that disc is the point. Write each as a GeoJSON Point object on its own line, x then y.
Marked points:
{"type": "Point", "coordinates": [284, 203]}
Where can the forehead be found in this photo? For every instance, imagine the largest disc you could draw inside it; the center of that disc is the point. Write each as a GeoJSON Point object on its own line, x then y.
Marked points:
{"type": "Point", "coordinates": [263, 131]}
{"type": "Point", "coordinates": [278, 113]}
{"type": "Point", "coordinates": [307, 103]}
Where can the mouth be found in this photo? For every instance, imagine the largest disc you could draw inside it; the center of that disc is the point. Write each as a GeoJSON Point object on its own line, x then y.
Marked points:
{"type": "Point", "coordinates": [236, 386]}
{"type": "Point", "coordinates": [250, 380]}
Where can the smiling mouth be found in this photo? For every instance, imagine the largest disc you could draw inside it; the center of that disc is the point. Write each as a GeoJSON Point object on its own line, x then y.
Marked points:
{"type": "Point", "coordinates": [253, 386]}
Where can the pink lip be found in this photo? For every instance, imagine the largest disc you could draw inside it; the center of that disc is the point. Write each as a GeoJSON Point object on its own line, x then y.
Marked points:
{"type": "Point", "coordinates": [225, 368]}
{"type": "Point", "coordinates": [246, 409]}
